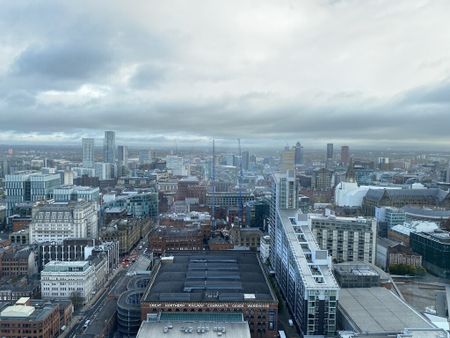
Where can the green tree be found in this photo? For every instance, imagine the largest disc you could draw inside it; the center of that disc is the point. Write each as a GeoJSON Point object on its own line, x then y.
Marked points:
{"type": "Point", "coordinates": [77, 300]}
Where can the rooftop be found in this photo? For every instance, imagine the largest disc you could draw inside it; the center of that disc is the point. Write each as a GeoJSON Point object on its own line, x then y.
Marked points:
{"type": "Point", "coordinates": [341, 219]}
{"type": "Point", "coordinates": [205, 325]}
{"type": "Point", "coordinates": [37, 311]}
{"type": "Point", "coordinates": [17, 311]}
{"type": "Point", "coordinates": [313, 263]}
{"type": "Point", "coordinates": [434, 194]}
{"type": "Point", "coordinates": [424, 212]}
{"type": "Point", "coordinates": [226, 276]}
{"type": "Point", "coordinates": [66, 266]}
{"type": "Point", "coordinates": [354, 267]}
{"type": "Point", "coordinates": [440, 236]}
{"type": "Point", "coordinates": [378, 310]}
{"type": "Point", "coordinates": [419, 226]}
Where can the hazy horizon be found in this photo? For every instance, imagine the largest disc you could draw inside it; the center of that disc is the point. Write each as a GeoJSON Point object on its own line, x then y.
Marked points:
{"type": "Point", "coordinates": [371, 74]}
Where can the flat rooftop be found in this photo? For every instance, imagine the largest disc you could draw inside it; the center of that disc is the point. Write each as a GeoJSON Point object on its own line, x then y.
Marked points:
{"type": "Point", "coordinates": [316, 273]}
{"type": "Point", "coordinates": [378, 310]}
{"type": "Point", "coordinates": [202, 276]}
{"type": "Point", "coordinates": [205, 325]}
{"type": "Point", "coordinates": [35, 312]}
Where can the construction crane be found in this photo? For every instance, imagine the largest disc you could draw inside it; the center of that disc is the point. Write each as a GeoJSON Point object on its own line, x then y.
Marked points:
{"type": "Point", "coordinates": [241, 206]}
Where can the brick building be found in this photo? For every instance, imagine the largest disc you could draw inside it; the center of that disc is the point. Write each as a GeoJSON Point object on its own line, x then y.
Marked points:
{"type": "Point", "coordinates": [18, 263]}
{"type": "Point", "coordinates": [225, 281]}
{"type": "Point", "coordinates": [128, 232]}
{"type": "Point", "coordinates": [33, 318]}
{"type": "Point", "coordinates": [165, 238]}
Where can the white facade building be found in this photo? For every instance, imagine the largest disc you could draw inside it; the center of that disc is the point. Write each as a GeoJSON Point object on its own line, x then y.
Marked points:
{"type": "Point", "coordinates": [347, 239]}
{"type": "Point", "coordinates": [302, 269]}
{"type": "Point", "coordinates": [55, 222]}
{"type": "Point", "coordinates": [64, 279]}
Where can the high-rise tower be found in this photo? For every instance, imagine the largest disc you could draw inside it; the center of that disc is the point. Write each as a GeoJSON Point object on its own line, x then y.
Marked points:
{"type": "Point", "coordinates": [109, 147]}
{"type": "Point", "coordinates": [345, 155]}
{"type": "Point", "coordinates": [122, 155]}
{"type": "Point", "coordinates": [298, 154]}
{"type": "Point", "coordinates": [88, 152]}
{"type": "Point", "coordinates": [329, 151]}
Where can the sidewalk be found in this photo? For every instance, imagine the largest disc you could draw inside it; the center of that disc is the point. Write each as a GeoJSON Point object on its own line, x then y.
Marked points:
{"type": "Point", "coordinates": [77, 318]}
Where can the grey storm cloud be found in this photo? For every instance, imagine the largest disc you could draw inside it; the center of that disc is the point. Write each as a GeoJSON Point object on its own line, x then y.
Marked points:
{"type": "Point", "coordinates": [70, 60]}
{"type": "Point", "coordinates": [271, 72]}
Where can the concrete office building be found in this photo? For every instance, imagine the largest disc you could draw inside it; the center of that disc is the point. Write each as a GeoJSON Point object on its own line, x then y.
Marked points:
{"type": "Point", "coordinates": [61, 280]}
{"type": "Point", "coordinates": [208, 281]}
{"type": "Point", "coordinates": [303, 270]}
{"type": "Point", "coordinates": [78, 250]}
{"type": "Point", "coordinates": [88, 145]}
{"type": "Point", "coordinates": [58, 221]}
{"type": "Point", "coordinates": [109, 147]}
{"type": "Point", "coordinates": [346, 238]}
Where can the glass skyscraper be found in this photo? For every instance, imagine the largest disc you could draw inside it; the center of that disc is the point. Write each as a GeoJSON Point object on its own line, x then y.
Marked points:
{"type": "Point", "coordinates": [109, 147]}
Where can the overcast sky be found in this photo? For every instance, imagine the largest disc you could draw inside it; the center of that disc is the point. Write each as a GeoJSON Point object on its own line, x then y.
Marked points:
{"type": "Point", "coordinates": [372, 72]}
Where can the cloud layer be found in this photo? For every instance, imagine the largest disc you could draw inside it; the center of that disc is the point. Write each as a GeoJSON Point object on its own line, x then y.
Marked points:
{"type": "Point", "coordinates": [347, 71]}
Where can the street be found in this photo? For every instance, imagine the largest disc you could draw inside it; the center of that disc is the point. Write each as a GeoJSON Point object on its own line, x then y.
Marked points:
{"type": "Point", "coordinates": [90, 310]}
{"type": "Point", "coordinates": [93, 308]}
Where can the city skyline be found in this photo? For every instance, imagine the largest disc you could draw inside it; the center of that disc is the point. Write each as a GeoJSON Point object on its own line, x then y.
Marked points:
{"type": "Point", "coordinates": [344, 72]}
